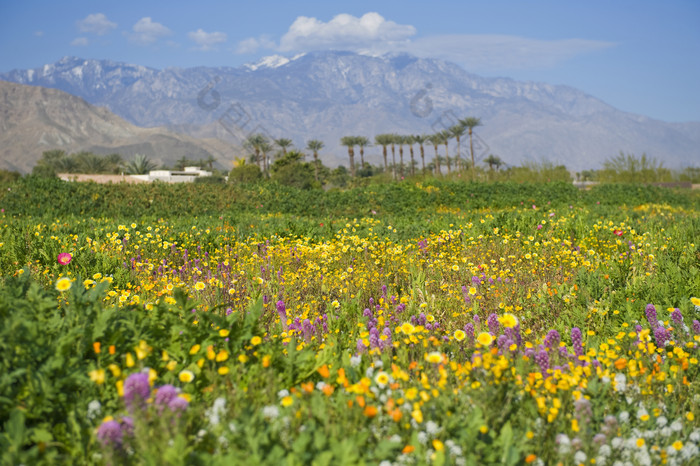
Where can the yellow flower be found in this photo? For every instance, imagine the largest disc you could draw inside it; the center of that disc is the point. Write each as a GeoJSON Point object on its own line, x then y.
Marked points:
{"type": "Point", "coordinates": [484, 339]}
{"type": "Point", "coordinates": [186, 376]}
{"type": "Point", "coordinates": [287, 401]}
{"type": "Point", "coordinates": [63, 284]}
{"type": "Point", "coordinates": [224, 332]}
{"type": "Point", "coordinates": [677, 445]}
{"type": "Point", "coordinates": [508, 320]}
{"type": "Point", "coordinates": [483, 429]}
{"type": "Point", "coordinates": [242, 358]}
{"type": "Point", "coordinates": [455, 268]}
{"type": "Point", "coordinates": [255, 341]}
{"type": "Point", "coordinates": [695, 301]}
{"type": "Point", "coordinates": [438, 445]}
{"type": "Point", "coordinates": [459, 335]}
{"type": "Point", "coordinates": [97, 376]}
{"type": "Point", "coordinates": [222, 356]}
{"type": "Point", "coordinates": [417, 415]}
{"type": "Point", "coordinates": [223, 370]}
{"type": "Point", "coordinates": [640, 442]}
{"type": "Point", "coordinates": [472, 291]}
{"type": "Point", "coordinates": [199, 286]}
{"type": "Point", "coordinates": [408, 328]}
{"type": "Point", "coordinates": [411, 393]}
{"type": "Point", "coordinates": [434, 357]}
{"type": "Point", "coordinates": [129, 360]}
{"type": "Point", "coordinates": [195, 349]}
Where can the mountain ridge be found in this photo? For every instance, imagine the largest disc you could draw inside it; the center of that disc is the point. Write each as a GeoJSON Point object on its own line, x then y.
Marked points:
{"type": "Point", "coordinates": [327, 95]}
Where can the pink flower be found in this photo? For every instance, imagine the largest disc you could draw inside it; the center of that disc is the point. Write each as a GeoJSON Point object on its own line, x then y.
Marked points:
{"type": "Point", "coordinates": [64, 258]}
{"type": "Point", "coordinates": [539, 227]}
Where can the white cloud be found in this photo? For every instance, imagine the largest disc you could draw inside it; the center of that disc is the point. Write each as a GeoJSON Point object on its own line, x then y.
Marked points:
{"type": "Point", "coordinates": [373, 34]}
{"type": "Point", "coordinates": [253, 44]}
{"type": "Point", "coordinates": [206, 40]}
{"type": "Point", "coordinates": [79, 42]}
{"type": "Point", "coordinates": [96, 23]}
{"type": "Point", "coordinates": [501, 52]}
{"type": "Point", "coordinates": [146, 32]}
{"type": "Point", "coordinates": [345, 32]}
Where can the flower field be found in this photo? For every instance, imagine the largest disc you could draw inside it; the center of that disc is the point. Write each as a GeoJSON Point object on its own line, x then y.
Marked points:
{"type": "Point", "coordinates": [511, 329]}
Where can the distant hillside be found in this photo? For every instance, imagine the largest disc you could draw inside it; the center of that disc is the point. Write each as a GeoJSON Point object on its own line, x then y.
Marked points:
{"type": "Point", "coordinates": [35, 119]}
{"type": "Point", "coordinates": [327, 95]}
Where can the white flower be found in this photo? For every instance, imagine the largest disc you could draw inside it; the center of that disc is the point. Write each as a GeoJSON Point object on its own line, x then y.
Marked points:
{"type": "Point", "coordinates": [604, 450]}
{"type": "Point", "coordinates": [620, 382]}
{"type": "Point", "coordinates": [616, 442]}
{"type": "Point", "coordinates": [385, 463]}
{"type": "Point", "coordinates": [580, 457]}
{"type": "Point", "coordinates": [378, 364]}
{"type": "Point", "coordinates": [94, 409]}
{"type": "Point", "coordinates": [641, 412]}
{"type": "Point", "coordinates": [694, 436]}
{"type": "Point", "coordinates": [676, 426]}
{"type": "Point", "coordinates": [661, 421]}
{"type": "Point", "coordinates": [422, 437]}
{"type": "Point", "coordinates": [356, 360]}
{"type": "Point", "coordinates": [432, 428]}
{"type": "Point", "coordinates": [624, 416]}
{"type": "Point", "coordinates": [395, 438]}
{"type": "Point", "coordinates": [282, 393]}
{"type": "Point", "coordinates": [271, 412]}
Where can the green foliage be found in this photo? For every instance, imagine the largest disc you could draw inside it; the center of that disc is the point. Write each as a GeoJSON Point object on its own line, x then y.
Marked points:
{"type": "Point", "coordinates": [627, 168]}
{"type": "Point", "coordinates": [245, 173]}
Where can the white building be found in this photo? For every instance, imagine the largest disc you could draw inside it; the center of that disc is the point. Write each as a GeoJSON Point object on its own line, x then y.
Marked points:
{"type": "Point", "coordinates": [189, 175]}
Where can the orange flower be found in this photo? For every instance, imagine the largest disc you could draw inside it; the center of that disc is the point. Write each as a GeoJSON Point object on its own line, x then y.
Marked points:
{"type": "Point", "coordinates": [96, 347]}
{"type": "Point", "coordinates": [620, 364]}
{"type": "Point", "coordinates": [328, 390]}
{"type": "Point", "coordinates": [408, 449]}
{"type": "Point", "coordinates": [360, 401]}
{"type": "Point", "coordinates": [530, 458]}
{"type": "Point", "coordinates": [112, 349]}
{"type": "Point", "coordinates": [370, 411]}
{"type": "Point", "coordinates": [324, 371]}
{"type": "Point", "coordinates": [396, 415]}
{"type": "Point", "coordinates": [266, 360]}
{"type": "Point", "coordinates": [308, 387]}
{"type": "Point", "coordinates": [341, 378]}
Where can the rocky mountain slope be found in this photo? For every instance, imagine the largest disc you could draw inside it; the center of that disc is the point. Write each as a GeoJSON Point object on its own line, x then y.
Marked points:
{"type": "Point", "coordinates": [35, 119]}
{"type": "Point", "coordinates": [327, 95]}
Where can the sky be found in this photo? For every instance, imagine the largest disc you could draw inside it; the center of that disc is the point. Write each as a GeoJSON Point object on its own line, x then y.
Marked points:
{"type": "Point", "coordinates": [640, 56]}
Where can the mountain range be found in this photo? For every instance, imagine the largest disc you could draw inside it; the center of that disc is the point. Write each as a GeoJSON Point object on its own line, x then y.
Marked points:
{"type": "Point", "coordinates": [327, 95]}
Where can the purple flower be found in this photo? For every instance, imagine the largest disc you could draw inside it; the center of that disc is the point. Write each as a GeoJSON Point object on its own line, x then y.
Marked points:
{"type": "Point", "coordinates": [662, 336]}
{"type": "Point", "coordinates": [493, 324]}
{"type": "Point", "coordinates": [165, 395]}
{"type": "Point", "coordinates": [136, 389]}
{"type": "Point", "coordinates": [542, 360]}
{"type": "Point", "coordinates": [650, 312]}
{"type": "Point", "coordinates": [677, 317]}
{"type": "Point", "coordinates": [469, 330]}
{"type": "Point", "coordinates": [552, 339]}
{"type": "Point", "coordinates": [282, 311]}
{"type": "Point", "coordinates": [178, 404]}
{"type": "Point", "coordinates": [577, 341]}
{"type": "Point", "coordinates": [110, 434]}
{"type": "Point", "coordinates": [696, 327]}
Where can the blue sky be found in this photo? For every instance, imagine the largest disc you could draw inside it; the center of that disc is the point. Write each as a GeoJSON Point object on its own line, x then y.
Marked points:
{"type": "Point", "coordinates": [639, 56]}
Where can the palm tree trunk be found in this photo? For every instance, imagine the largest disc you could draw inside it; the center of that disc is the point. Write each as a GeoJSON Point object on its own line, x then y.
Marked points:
{"type": "Point", "coordinates": [393, 161]}
{"type": "Point", "coordinates": [413, 162]}
{"type": "Point", "coordinates": [437, 160]}
{"type": "Point", "coordinates": [362, 157]}
{"type": "Point", "coordinates": [316, 165]}
{"type": "Point", "coordinates": [401, 159]}
{"type": "Point", "coordinates": [471, 150]}
{"type": "Point", "coordinates": [422, 156]}
{"type": "Point", "coordinates": [386, 165]}
{"type": "Point", "coordinates": [351, 156]}
{"type": "Point", "coordinates": [447, 158]}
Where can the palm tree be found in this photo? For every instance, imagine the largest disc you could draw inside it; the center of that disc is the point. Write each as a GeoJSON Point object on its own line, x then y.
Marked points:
{"type": "Point", "coordinates": [420, 139]}
{"type": "Point", "coordinates": [446, 141]}
{"type": "Point", "coordinates": [410, 140]}
{"type": "Point", "coordinates": [209, 161]}
{"type": "Point", "coordinates": [90, 163]}
{"type": "Point", "coordinates": [393, 154]}
{"type": "Point", "coordinates": [436, 140]}
{"type": "Point", "coordinates": [493, 160]}
{"type": "Point", "coordinates": [283, 143]}
{"type": "Point", "coordinates": [457, 131]}
{"type": "Point", "coordinates": [315, 145]}
{"type": "Point", "coordinates": [471, 123]}
{"type": "Point", "coordinates": [362, 142]}
{"type": "Point", "coordinates": [383, 140]}
{"type": "Point", "coordinates": [400, 140]}
{"type": "Point", "coordinates": [350, 142]}
{"type": "Point", "coordinates": [181, 163]}
{"type": "Point", "coordinates": [139, 165]}
{"type": "Point", "coordinates": [253, 143]}
{"type": "Point", "coordinates": [265, 147]}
